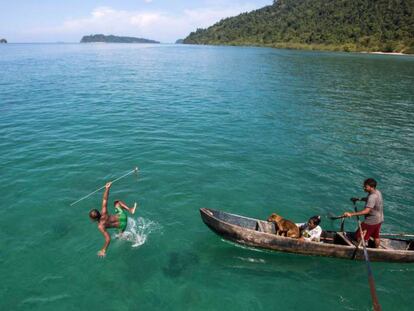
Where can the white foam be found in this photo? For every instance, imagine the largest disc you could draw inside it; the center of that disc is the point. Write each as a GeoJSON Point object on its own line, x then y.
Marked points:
{"type": "Point", "coordinates": [249, 259]}
{"type": "Point", "coordinates": [138, 230]}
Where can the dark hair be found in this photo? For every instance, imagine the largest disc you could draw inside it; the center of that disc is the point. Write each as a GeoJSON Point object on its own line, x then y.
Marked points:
{"type": "Point", "coordinates": [316, 220]}
{"type": "Point", "coordinates": [116, 202]}
{"type": "Point", "coordinates": [370, 182]}
{"type": "Point", "coordinates": [94, 214]}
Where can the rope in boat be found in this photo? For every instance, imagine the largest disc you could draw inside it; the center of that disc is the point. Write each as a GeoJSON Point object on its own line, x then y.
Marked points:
{"type": "Point", "coordinates": [135, 170]}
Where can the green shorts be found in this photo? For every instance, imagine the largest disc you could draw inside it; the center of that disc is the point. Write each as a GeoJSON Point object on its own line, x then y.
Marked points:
{"type": "Point", "coordinates": [122, 217]}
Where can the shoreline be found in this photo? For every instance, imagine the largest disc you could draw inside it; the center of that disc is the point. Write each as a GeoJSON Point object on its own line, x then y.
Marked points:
{"type": "Point", "coordinates": [386, 53]}
{"type": "Point", "coordinates": [304, 47]}
{"type": "Point", "coordinates": [300, 47]}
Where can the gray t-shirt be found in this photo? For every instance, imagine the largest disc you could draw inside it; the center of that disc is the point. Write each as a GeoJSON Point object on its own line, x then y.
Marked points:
{"type": "Point", "coordinates": [375, 203]}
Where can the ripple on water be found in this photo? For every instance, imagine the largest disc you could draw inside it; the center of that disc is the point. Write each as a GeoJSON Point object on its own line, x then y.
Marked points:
{"type": "Point", "coordinates": [246, 130]}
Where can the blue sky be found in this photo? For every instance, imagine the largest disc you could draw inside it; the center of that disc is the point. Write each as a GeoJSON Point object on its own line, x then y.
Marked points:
{"type": "Point", "coordinates": [68, 21]}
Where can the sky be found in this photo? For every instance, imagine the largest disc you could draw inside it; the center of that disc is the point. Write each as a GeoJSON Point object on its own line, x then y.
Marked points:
{"type": "Point", "coordinates": [68, 21]}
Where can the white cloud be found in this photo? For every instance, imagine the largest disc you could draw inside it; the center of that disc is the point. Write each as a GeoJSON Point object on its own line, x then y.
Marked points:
{"type": "Point", "coordinates": [145, 19]}
{"type": "Point", "coordinates": [156, 25]}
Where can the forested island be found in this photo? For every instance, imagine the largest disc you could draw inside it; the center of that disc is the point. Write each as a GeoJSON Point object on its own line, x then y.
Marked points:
{"type": "Point", "coordinates": [114, 39]}
{"type": "Point", "coordinates": [338, 25]}
{"type": "Point", "coordinates": [3, 41]}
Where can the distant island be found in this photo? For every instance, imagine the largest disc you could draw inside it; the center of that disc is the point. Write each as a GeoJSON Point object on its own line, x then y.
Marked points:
{"type": "Point", "coordinates": [3, 41]}
{"type": "Point", "coordinates": [179, 41]}
{"type": "Point", "coordinates": [336, 25]}
{"type": "Point", "coordinates": [114, 39]}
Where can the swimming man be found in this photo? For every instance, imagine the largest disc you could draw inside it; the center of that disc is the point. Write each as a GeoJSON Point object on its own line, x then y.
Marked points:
{"type": "Point", "coordinates": [107, 221]}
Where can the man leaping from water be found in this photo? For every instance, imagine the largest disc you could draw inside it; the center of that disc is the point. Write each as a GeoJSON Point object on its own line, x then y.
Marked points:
{"type": "Point", "coordinates": [107, 221]}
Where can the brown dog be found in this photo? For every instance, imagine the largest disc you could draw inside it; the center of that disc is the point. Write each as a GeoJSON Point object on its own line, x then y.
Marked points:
{"type": "Point", "coordinates": [284, 227]}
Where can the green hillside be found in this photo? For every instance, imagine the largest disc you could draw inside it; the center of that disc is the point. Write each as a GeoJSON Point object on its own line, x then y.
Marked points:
{"type": "Point", "coordinates": [343, 25]}
{"type": "Point", "coordinates": [114, 39]}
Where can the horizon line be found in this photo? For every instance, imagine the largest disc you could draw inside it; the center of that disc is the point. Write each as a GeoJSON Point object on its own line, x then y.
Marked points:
{"type": "Point", "coordinates": [77, 42]}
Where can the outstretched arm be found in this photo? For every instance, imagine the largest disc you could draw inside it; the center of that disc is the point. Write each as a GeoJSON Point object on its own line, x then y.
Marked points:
{"type": "Point", "coordinates": [361, 213]}
{"type": "Point", "coordinates": [104, 210]}
{"type": "Point", "coordinates": [105, 233]}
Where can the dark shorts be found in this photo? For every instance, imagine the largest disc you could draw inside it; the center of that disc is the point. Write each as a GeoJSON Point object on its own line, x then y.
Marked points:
{"type": "Point", "coordinates": [371, 231]}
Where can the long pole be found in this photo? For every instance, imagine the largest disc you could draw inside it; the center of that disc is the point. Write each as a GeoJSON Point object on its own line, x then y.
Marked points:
{"type": "Point", "coordinates": [374, 297]}
{"type": "Point", "coordinates": [135, 170]}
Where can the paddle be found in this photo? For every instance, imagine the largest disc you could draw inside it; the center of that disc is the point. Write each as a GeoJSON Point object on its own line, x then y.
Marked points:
{"type": "Point", "coordinates": [330, 216]}
{"type": "Point", "coordinates": [339, 217]}
{"type": "Point", "coordinates": [135, 170]}
{"type": "Point", "coordinates": [336, 217]}
{"type": "Point", "coordinates": [375, 303]}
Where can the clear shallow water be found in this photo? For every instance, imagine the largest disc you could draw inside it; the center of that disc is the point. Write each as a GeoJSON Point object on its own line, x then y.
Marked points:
{"type": "Point", "coordinates": [246, 130]}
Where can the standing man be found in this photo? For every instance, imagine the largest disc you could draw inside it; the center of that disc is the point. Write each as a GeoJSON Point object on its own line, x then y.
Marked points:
{"type": "Point", "coordinates": [373, 212]}
{"type": "Point", "coordinates": [107, 221]}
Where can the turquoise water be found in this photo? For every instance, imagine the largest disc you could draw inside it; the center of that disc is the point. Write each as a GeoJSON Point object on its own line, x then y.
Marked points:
{"type": "Point", "coordinates": [247, 130]}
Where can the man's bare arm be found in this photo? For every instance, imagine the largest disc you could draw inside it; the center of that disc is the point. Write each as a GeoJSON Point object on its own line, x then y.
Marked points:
{"type": "Point", "coordinates": [361, 213]}
{"type": "Point", "coordinates": [107, 237]}
{"type": "Point", "coordinates": [104, 210]}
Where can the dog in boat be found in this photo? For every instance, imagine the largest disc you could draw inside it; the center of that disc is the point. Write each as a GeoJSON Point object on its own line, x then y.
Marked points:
{"type": "Point", "coordinates": [284, 227]}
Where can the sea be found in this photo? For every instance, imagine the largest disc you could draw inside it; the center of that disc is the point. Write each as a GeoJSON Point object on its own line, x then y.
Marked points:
{"type": "Point", "coordinates": [246, 130]}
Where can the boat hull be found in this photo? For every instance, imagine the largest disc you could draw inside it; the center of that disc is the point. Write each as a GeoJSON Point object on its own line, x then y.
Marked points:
{"type": "Point", "coordinates": [241, 230]}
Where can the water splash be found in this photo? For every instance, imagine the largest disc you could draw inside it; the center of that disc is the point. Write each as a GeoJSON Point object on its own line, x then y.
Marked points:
{"type": "Point", "coordinates": [138, 230]}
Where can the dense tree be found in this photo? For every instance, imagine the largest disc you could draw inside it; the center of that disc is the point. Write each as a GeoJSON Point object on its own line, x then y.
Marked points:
{"type": "Point", "coordinates": [349, 25]}
{"type": "Point", "coordinates": [114, 39]}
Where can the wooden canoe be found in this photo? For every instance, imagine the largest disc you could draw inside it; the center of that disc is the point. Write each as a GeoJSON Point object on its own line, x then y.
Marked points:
{"type": "Point", "coordinates": [260, 234]}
